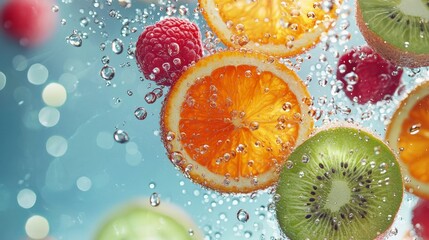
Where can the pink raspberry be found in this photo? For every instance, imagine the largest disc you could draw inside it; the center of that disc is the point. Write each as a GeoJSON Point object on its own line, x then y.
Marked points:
{"type": "Point", "coordinates": [420, 219]}
{"type": "Point", "coordinates": [31, 22]}
{"type": "Point", "coordinates": [367, 76]}
{"type": "Point", "coordinates": [166, 49]}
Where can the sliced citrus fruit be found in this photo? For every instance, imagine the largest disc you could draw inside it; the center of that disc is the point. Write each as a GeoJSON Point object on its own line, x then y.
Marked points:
{"type": "Point", "coordinates": [232, 119]}
{"type": "Point", "coordinates": [279, 28]}
{"type": "Point", "coordinates": [408, 134]}
{"type": "Point", "coordinates": [140, 221]}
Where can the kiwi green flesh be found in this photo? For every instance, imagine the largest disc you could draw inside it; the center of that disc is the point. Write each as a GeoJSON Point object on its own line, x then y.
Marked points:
{"type": "Point", "coordinates": [402, 23]}
{"type": "Point", "coordinates": [349, 188]}
{"type": "Point", "coordinates": [141, 223]}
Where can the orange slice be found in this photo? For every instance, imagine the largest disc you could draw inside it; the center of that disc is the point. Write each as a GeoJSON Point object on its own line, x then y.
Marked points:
{"type": "Point", "coordinates": [232, 119]}
{"type": "Point", "coordinates": [276, 27]}
{"type": "Point", "coordinates": [408, 134]}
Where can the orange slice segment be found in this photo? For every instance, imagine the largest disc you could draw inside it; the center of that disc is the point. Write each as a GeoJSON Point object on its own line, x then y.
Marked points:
{"type": "Point", "coordinates": [275, 27]}
{"type": "Point", "coordinates": [408, 134]}
{"type": "Point", "coordinates": [232, 119]}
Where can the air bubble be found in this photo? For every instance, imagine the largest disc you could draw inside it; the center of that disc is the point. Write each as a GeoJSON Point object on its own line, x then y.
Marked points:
{"type": "Point", "coordinates": [242, 216]}
{"type": "Point", "coordinates": [150, 97]}
{"type": "Point", "coordinates": [305, 159]}
{"type": "Point", "coordinates": [117, 46]}
{"type": "Point", "coordinates": [107, 72]}
{"type": "Point", "coordinates": [173, 49]}
{"type": "Point", "coordinates": [140, 113]}
{"type": "Point", "coordinates": [74, 39]}
{"type": "Point", "coordinates": [120, 136]}
{"type": "Point", "coordinates": [154, 200]}
{"type": "Point", "coordinates": [415, 128]}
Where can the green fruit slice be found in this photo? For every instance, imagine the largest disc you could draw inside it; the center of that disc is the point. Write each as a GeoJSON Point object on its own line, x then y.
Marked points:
{"type": "Point", "coordinates": [342, 183]}
{"type": "Point", "coordinates": [139, 221]}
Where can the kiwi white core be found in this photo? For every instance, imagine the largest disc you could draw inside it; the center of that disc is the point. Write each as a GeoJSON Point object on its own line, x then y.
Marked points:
{"type": "Point", "coordinates": [416, 8]}
{"type": "Point", "coordinates": [339, 195]}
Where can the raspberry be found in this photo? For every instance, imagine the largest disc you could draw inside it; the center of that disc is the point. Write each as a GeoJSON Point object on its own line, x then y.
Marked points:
{"type": "Point", "coordinates": [29, 21]}
{"type": "Point", "coordinates": [165, 50]}
{"type": "Point", "coordinates": [367, 77]}
{"type": "Point", "coordinates": [420, 219]}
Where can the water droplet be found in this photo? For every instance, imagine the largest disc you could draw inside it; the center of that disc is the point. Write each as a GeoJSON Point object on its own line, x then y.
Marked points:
{"type": "Point", "coordinates": [74, 39]}
{"type": "Point", "coordinates": [351, 78]}
{"type": "Point", "coordinates": [242, 216]}
{"type": "Point", "coordinates": [129, 93]}
{"type": "Point", "coordinates": [170, 136]}
{"type": "Point", "coordinates": [287, 106]}
{"type": "Point", "coordinates": [254, 125]}
{"type": "Point", "coordinates": [415, 128]}
{"type": "Point", "coordinates": [107, 72]}
{"type": "Point", "coordinates": [105, 60]}
{"type": "Point", "coordinates": [289, 164]}
{"type": "Point", "coordinates": [84, 22]}
{"type": "Point", "coordinates": [173, 49]}
{"type": "Point", "coordinates": [55, 8]}
{"type": "Point", "coordinates": [120, 136]}
{"type": "Point", "coordinates": [140, 113]}
{"type": "Point", "coordinates": [177, 61]}
{"type": "Point", "coordinates": [305, 159]}
{"type": "Point", "coordinates": [117, 46]}
{"type": "Point", "coordinates": [154, 200]}
{"type": "Point", "coordinates": [158, 92]}
{"type": "Point", "coordinates": [150, 97]}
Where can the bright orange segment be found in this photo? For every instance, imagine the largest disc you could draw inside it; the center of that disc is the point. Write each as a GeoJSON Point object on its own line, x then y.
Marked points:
{"type": "Point", "coordinates": [276, 27]}
{"type": "Point", "coordinates": [270, 21]}
{"type": "Point", "coordinates": [414, 139]}
{"type": "Point", "coordinates": [232, 119]}
{"type": "Point", "coordinates": [239, 122]}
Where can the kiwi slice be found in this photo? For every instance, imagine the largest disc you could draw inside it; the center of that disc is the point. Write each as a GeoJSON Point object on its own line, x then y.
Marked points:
{"type": "Point", "coordinates": [140, 221]}
{"type": "Point", "coordinates": [397, 29]}
{"type": "Point", "coordinates": [342, 183]}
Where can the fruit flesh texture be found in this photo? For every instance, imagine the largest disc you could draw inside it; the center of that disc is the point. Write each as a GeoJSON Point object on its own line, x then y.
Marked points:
{"type": "Point", "coordinates": [243, 114]}
{"type": "Point", "coordinates": [408, 33]}
{"type": "Point", "coordinates": [413, 140]}
{"type": "Point", "coordinates": [363, 201]}
{"type": "Point", "coordinates": [138, 222]}
{"type": "Point", "coordinates": [280, 28]}
{"type": "Point", "coordinates": [420, 219]}
{"type": "Point", "coordinates": [371, 77]}
{"type": "Point", "coordinates": [29, 21]}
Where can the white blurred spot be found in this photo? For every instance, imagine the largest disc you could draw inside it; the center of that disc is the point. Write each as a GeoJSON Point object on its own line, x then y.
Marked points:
{"type": "Point", "coordinates": [49, 116]}
{"type": "Point", "coordinates": [132, 148]}
{"type": "Point", "coordinates": [84, 183]}
{"type": "Point", "coordinates": [56, 146]}
{"type": "Point", "coordinates": [26, 198]}
{"type": "Point", "coordinates": [69, 81]}
{"type": "Point", "coordinates": [37, 74]}
{"type": "Point", "coordinates": [37, 227]}
{"type": "Point", "coordinates": [2, 81]}
{"type": "Point", "coordinates": [54, 95]}
{"type": "Point", "coordinates": [20, 63]}
{"type": "Point", "coordinates": [104, 140]}
{"type": "Point", "coordinates": [134, 159]}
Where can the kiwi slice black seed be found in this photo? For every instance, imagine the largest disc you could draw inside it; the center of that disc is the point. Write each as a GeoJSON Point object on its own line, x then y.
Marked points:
{"type": "Point", "coordinates": [402, 23]}
{"type": "Point", "coordinates": [342, 183]}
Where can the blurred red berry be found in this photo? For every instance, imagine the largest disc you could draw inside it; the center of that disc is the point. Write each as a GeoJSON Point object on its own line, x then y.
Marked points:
{"type": "Point", "coordinates": [31, 22]}
{"type": "Point", "coordinates": [367, 76]}
{"type": "Point", "coordinates": [164, 50]}
{"type": "Point", "coordinates": [420, 219]}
